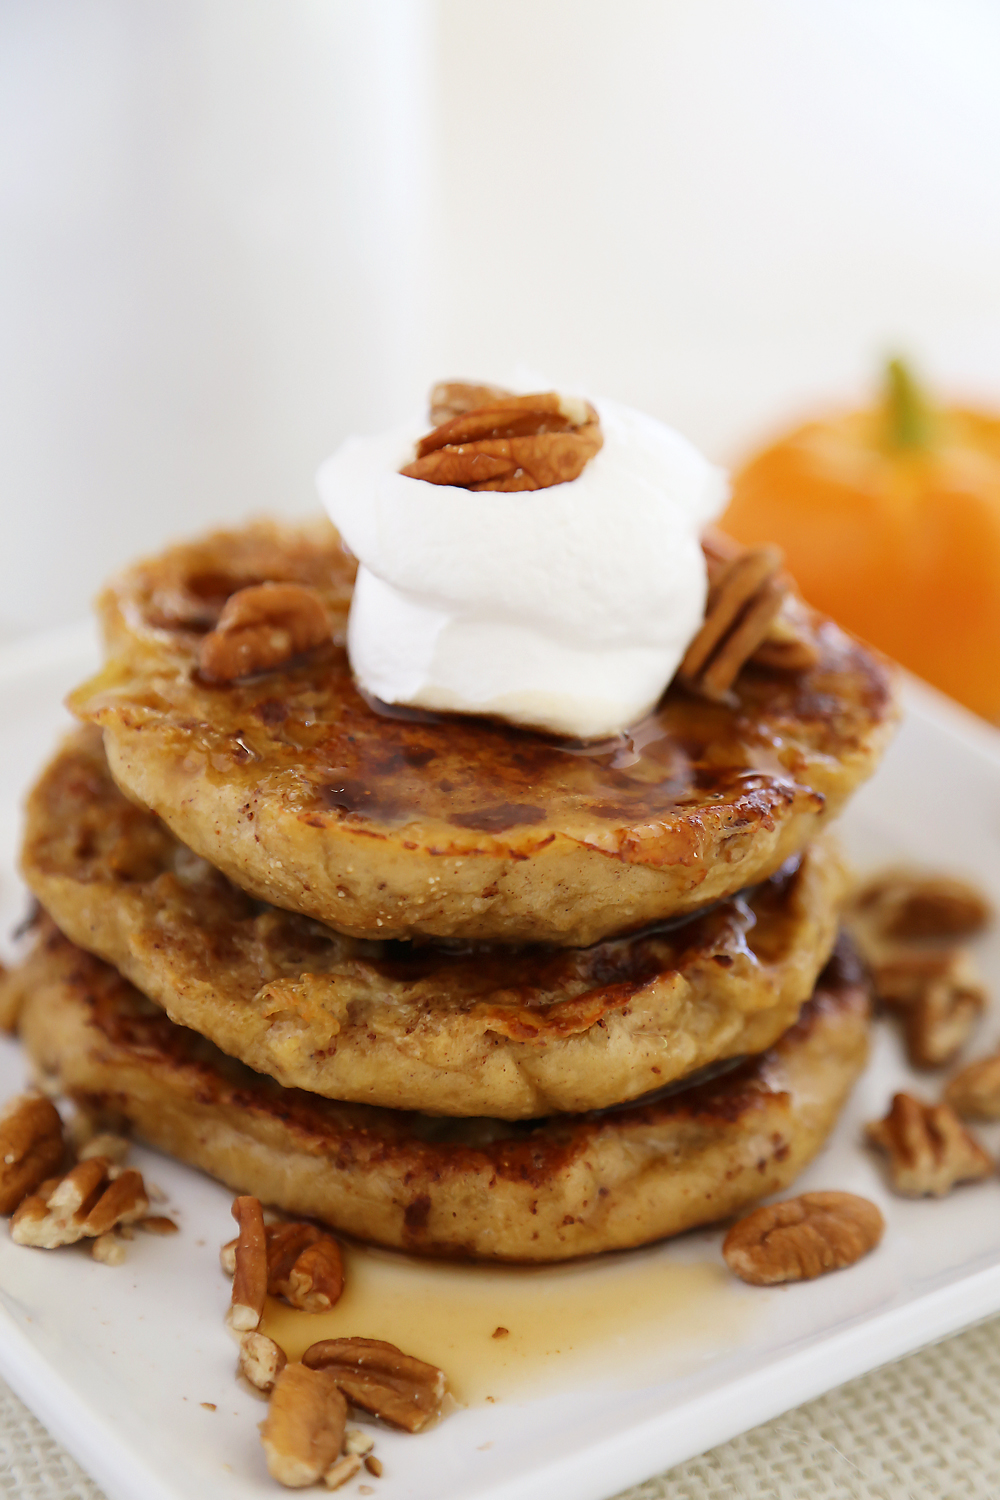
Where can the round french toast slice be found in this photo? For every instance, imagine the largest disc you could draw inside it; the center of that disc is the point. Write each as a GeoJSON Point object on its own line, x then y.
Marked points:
{"type": "Point", "coordinates": [482, 1188]}
{"type": "Point", "coordinates": [510, 1032]}
{"type": "Point", "coordinates": [392, 823]}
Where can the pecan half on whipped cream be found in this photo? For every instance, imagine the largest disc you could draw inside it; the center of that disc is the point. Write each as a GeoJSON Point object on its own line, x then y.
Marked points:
{"type": "Point", "coordinates": [507, 442]}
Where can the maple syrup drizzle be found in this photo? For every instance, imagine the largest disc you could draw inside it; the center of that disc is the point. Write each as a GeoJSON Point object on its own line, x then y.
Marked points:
{"type": "Point", "coordinates": [505, 1332]}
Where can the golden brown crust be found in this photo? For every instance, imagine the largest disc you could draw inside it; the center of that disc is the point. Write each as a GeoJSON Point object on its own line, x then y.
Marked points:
{"type": "Point", "coordinates": [403, 823]}
{"type": "Point", "coordinates": [550, 1190]}
{"type": "Point", "coordinates": [511, 1033]}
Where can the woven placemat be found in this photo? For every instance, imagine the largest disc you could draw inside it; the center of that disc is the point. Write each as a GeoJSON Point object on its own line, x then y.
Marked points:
{"type": "Point", "coordinates": [924, 1428]}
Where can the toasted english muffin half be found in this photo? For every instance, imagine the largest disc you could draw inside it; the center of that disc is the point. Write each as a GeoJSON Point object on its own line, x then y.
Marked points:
{"type": "Point", "coordinates": [394, 823]}
{"type": "Point", "coordinates": [510, 1032]}
{"type": "Point", "coordinates": [488, 1189]}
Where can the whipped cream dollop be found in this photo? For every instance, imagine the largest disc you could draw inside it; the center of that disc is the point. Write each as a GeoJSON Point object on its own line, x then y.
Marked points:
{"type": "Point", "coordinates": [566, 609]}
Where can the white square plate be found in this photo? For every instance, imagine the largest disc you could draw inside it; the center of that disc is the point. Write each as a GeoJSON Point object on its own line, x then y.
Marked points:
{"type": "Point", "coordinates": [117, 1362]}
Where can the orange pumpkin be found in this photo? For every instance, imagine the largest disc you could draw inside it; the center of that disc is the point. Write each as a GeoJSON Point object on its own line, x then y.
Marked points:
{"type": "Point", "coordinates": [890, 522]}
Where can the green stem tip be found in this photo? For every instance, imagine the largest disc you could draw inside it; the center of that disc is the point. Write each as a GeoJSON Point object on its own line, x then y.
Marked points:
{"type": "Point", "coordinates": [908, 418]}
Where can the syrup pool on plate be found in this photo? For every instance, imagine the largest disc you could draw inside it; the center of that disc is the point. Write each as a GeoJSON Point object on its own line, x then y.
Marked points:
{"type": "Point", "coordinates": [503, 1332]}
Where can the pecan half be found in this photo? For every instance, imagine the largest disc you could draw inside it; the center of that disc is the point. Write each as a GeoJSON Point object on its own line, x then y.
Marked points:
{"type": "Point", "coordinates": [31, 1147]}
{"type": "Point", "coordinates": [453, 398]}
{"type": "Point", "coordinates": [261, 1360]}
{"type": "Point", "coordinates": [304, 1265]}
{"type": "Point", "coordinates": [752, 614]}
{"type": "Point", "coordinates": [913, 904]}
{"type": "Point", "coordinates": [87, 1202]}
{"type": "Point", "coordinates": [928, 1147]}
{"type": "Point", "coordinates": [788, 642]}
{"type": "Point", "coordinates": [261, 628]}
{"type": "Point", "coordinates": [512, 443]}
{"type": "Point", "coordinates": [974, 1093]}
{"type": "Point", "coordinates": [742, 604]}
{"type": "Point", "coordinates": [381, 1379]}
{"type": "Point", "coordinates": [802, 1238]}
{"type": "Point", "coordinates": [939, 997]}
{"type": "Point", "coordinates": [304, 1426]}
{"type": "Point", "coordinates": [250, 1275]}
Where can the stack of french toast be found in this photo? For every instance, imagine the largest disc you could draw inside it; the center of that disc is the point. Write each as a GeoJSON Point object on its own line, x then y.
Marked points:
{"type": "Point", "coordinates": [447, 984]}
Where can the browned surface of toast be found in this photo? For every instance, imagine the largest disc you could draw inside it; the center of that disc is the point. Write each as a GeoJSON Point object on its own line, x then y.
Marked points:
{"type": "Point", "coordinates": [482, 1029]}
{"type": "Point", "coordinates": [396, 823]}
{"type": "Point", "coordinates": [545, 1190]}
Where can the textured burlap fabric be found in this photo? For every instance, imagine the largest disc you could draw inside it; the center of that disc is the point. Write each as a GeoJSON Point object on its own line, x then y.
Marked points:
{"type": "Point", "coordinates": [925, 1428]}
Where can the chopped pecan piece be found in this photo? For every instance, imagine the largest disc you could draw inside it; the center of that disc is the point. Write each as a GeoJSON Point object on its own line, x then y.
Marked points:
{"type": "Point", "coordinates": [802, 1238]}
{"type": "Point", "coordinates": [109, 1249]}
{"type": "Point", "coordinates": [974, 1092]}
{"type": "Point", "coordinates": [304, 1265]}
{"type": "Point", "coordinates": [227, 1259]}
{"type": "Point", "coordinates": [158, 1224]}
{"type": "Point", "coordinates": [511, 443]}
{"type": "Point", "coordinates": [262, 627]}
{"type": "Point", "coordinates": [928, 1147]}
{"type": "Point", "coordinates": [906, 904]}
{"type": "Point", "coordinates": [939, 997]}
{"type": "Point", "coordinates": [261, 1360]}
{"type": "Point", "coordinates": [250, 1274]}
{"type": "Point", "coordinates": [340, 1472]}
{"type": "Point", "coordinates": [87, 1202]}
{"type": "Point", "coordinates": [115, 1147]}
{"type": "Point", "coordinates": [31, 1147]}
{"type": "Point", "coordinates": [380, 1379]}
{"type": "Point", "coordinates": [304, 1426]}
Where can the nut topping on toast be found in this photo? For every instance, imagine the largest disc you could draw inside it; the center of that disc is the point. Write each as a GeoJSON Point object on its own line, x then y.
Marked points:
{"type": "Point", "coordinates": [453, 398]}
{"type": "Point", "coordinates": [802, 1238]}
{"type": "Point", "coordinates": [929, 1149]}
{"type": "Point", "coordinates": [262, 627]}
{"type": "Point", "coordinates": [752, 613]}
{"type": "Point", "coordinates": [31, 1147]}
{"type": "Point", "coordinates": [507, 443]}
{"type": "Point", "coordinates": [381, 1379]}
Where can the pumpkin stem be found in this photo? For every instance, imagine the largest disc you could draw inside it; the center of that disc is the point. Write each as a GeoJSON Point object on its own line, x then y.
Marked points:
{"type": "Point", "coordinates": [908, 418]}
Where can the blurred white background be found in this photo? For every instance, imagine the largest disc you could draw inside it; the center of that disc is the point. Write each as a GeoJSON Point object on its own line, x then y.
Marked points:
{"type": "Point", "coordinates": [233, 231]}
